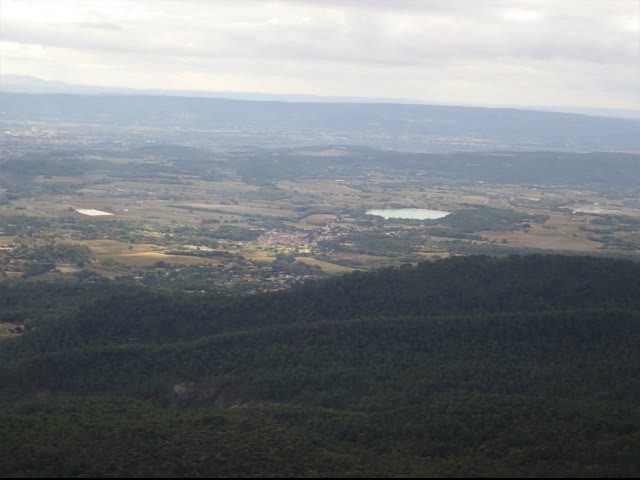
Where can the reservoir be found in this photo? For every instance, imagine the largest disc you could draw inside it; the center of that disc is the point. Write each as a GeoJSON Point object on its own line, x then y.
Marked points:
{"type": "Point", "coordinates": [409, 213]}
{"type": "Point", "coordinates": [93, 213]}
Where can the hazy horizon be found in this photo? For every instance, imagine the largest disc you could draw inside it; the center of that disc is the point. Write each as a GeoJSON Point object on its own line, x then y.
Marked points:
{"type": "Point", "coordinates": [520, 54]}
{"type": "Point", "coordinates": [29, 84]}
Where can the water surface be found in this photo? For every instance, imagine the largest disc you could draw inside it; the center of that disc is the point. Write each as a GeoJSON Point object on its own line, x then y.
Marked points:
{"type": "Point", "coordinates": [409, 213]}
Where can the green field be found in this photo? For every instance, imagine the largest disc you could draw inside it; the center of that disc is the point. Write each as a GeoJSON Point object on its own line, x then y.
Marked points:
{"type": "Point", "coordinates": [325, 266]}
{"type": "Point", "coordinates": [166, 199]}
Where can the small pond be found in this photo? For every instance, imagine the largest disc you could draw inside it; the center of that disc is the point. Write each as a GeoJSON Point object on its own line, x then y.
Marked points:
{"type": "Point", "coordinates": [409, 213]}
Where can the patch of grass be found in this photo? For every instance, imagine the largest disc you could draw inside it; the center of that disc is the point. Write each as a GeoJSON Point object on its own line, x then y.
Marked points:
{"type": "Point", "coordinates": [331, 268]}
{"type": "Point", "coordinates": [4, 331]}
{"type": "Point", "coordinates": [258, 256]}
{"type": "Point", "coordinates": [149, 259]}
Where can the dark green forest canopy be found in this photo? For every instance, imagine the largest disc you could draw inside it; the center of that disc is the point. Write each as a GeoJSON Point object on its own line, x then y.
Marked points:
{"type": "Point", "coordinates": [524, 366]}
{"type": "Point", "coordinates": [461, 285]}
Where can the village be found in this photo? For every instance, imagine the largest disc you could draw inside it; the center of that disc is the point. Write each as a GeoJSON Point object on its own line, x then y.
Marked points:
{"type": "Point", "coordinates": [127, 208]}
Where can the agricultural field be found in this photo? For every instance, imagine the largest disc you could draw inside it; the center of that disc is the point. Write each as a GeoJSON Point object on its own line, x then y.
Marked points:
{"type": "Point", "coordinates": [257, 220]}
{"type": "Point", "coordinates": [8, 330]}
{"type": "Point", "coordinates": [325, 266]}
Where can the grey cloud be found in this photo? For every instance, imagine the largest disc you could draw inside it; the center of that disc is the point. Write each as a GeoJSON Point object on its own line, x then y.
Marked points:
{"type": "Point", "coordinates": [99, 26]}
{"type": "Point", "coordinates": [468, 42]}
{"type": "Point", "coordinates": [370, 38]}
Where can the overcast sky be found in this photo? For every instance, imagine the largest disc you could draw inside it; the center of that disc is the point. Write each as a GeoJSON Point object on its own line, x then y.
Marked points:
{"type": "Point", "coordinates": [575, 53]}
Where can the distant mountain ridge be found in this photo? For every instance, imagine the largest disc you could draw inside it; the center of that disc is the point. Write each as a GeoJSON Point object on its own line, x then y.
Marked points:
{"type": "Point", "coordinates": [28, 84]}
{"type": "Point", "coordinates": [393, 126]}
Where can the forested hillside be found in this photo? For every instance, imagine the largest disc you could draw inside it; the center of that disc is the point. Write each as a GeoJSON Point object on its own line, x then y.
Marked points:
{"type": "Point", "coordinates": [524, 366]}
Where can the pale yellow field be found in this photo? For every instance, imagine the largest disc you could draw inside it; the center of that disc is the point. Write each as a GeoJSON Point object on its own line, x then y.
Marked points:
{"type": "Point", "coordinates": [149, 259]}
{"type": "Point", "coordinates": [113, 247]}
{"type": "Point", "coordinates": [68, 269]}
{"type": "Point", "coordinates": [258, 256]}
{"type": "Point", "coordinates": [560, 232]}
{"type": "Point", "coordinates": [365, 261]}
{"type": "Point", "coordinates": [305, 226]}
{"type": "Point", "coordinates": [360, 257]}
{"type": "Point", "coordinates": [4, 331]}
{"type": "Point", "coordinates": [243, 210]}
{"type": "Point", "coordinates": [434, 255]}
{"type": "Point", "coordinates": [544, 241]}
{"type": "Point", "coordinates": [141, 255]}
{"type": "Point", "coordinates": [325, 266]}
